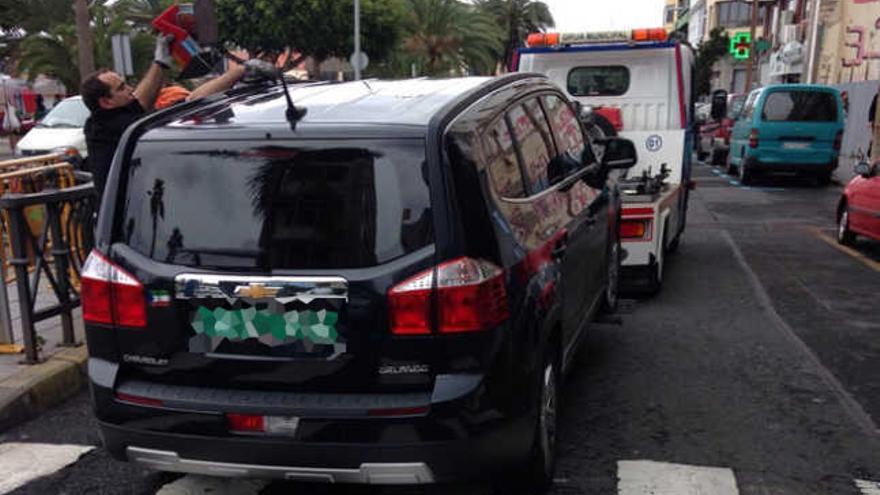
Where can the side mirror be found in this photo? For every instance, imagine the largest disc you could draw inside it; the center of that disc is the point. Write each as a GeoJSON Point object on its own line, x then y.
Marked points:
{"type": "Point", "coordinates": [864, 169]}
{"type": "Point", "coordinates": [619, 153]}
{"type": "Point", "coordinates": [719, 104]}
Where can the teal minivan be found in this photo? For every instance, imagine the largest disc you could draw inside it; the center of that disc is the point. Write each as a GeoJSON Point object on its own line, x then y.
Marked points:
{"type": "Point", "coordinates": [793, 128]}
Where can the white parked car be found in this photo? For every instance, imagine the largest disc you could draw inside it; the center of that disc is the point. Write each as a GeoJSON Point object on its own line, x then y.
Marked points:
{"type": "Point", "coordinates": [61, 128]}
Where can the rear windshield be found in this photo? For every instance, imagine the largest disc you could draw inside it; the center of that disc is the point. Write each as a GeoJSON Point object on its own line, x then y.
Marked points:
{"type": "Point", "coordinates": [610, 80]}
{"type": "Point", "coordinates": [297, 205]}
{"type": "Point", "coordinates": [800, 106]}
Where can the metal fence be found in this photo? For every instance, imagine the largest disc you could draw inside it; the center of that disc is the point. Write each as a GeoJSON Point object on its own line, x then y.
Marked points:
{"type": "Point", "coordinates": [48, 211]}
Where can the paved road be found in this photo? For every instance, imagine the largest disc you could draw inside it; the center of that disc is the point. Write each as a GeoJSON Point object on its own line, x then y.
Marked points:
{"type": "Point", "coordinates": [755, 371]}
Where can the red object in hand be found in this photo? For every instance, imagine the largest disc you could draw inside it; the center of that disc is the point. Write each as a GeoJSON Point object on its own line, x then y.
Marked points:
{"type": "Point", "coordinates": [166, 23]}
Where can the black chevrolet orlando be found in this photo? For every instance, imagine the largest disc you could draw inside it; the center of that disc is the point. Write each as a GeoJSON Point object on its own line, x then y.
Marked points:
{"type": "Point", "coordinates": [383, 286]}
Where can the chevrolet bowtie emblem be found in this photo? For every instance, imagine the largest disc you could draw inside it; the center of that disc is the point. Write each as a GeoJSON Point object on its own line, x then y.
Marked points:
{"type": "Point", "coordinates": [256, 291]}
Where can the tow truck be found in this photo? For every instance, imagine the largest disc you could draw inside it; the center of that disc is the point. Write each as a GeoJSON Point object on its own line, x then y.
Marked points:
{"type": "Point", "coordinates": [639, 83]}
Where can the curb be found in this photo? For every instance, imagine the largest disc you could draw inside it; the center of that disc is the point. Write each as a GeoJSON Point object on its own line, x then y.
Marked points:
{"type": "Point", "coordinates": [32, 390]}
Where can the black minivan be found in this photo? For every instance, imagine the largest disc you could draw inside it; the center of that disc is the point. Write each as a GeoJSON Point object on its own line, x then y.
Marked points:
{"type": "Point", "coordinates": [386, 289]}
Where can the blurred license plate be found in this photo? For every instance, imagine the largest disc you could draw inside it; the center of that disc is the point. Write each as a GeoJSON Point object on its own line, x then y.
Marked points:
{"type": "Point", "coordinates": [281, 425]}
{"type": "Point", "coordinates": [795, 146]}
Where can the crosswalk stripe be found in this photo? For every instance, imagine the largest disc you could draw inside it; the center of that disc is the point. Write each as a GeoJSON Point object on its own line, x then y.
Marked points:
{"type": "Point", "coordinates": [868, 487]}
{"type": "Point", "coordinates": [662, 478]}
{"type": "Point", "coordinates": [22, 462]}
{"type": "Point", "coordinates": [198, 485]}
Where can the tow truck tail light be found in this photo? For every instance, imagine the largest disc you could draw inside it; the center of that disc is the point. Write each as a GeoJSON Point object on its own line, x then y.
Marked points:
{"type": "Point", "coordinates": [753, 138]}
{"type": "Point", "coordinates": [110, 295]}
{"type": "Point", "coordinates": [534, 40]}
{"type": "Point", "coordinates": [469, 294]}
{"type": "Point", "coordinates": [632, 229]}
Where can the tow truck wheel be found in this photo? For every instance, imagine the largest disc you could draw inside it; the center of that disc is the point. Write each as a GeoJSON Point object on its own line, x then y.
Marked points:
{"type": "Point", "coordinates": [612, 280]}
{"type": "Point", "coordinates": [655, 278]}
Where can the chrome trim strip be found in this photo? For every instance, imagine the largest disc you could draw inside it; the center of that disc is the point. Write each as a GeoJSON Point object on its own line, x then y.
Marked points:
{"type": "Point", "coordinates": [567, 182]}
{"type": "Point", "coordinates": [404, 473]}
{"type": "Point", "coordinates": [306, 288]}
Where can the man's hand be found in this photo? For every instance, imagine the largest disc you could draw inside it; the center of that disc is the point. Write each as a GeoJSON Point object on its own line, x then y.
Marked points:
{"type": "Point", "coordinates": [255, 69]}
{"type": "Point", "coordinates": [162, 54]}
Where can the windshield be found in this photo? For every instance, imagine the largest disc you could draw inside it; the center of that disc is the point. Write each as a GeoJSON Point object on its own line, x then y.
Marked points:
{"type": "Point", "coordinates": [70, 113]}
{"type": "Point", "coordinates": [296, 206]}
{"type": "Point", "coordinates": [736, 104]}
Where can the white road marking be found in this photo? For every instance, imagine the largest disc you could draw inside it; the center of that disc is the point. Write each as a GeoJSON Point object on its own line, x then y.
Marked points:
{"type": "Point", "coordinates": [23, 462]}
{"type": "Point", "coordinates": [197, 485]}
{"type": "Point", "coordinates": [868, 487]}
{"type": "Point", "coordinates": [662, 478]}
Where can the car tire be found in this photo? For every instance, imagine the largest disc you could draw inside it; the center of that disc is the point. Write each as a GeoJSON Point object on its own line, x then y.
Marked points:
{"type": "Point", "coordinates": [845, 236]}
{"type": "Point", "coordinates": [536, 474]}
{"type": "Point", "coordinates": [729, 168]}
{"type": "Point", "coordinates": [823, 179]}
{"type": "Point", "coordinates": [746, 174]}
{"type": "Point", "coordinates": [612, 279]}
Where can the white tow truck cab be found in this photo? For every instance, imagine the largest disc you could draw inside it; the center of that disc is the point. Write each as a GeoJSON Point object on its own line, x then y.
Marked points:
{"type": "Point", "coordinates": [641, 83]}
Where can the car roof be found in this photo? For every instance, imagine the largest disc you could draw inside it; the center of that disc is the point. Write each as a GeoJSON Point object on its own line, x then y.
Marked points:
{"type": "Point", "coordinates": [410, 102]}
{"type": "Point", "coordinates": [809, 87]}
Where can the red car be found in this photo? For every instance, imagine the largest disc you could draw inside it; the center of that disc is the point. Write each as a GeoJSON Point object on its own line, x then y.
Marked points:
{"type": "Point", "coordinates": [859, 210]}
{"type": "Point", "coordinates": [714, 135]}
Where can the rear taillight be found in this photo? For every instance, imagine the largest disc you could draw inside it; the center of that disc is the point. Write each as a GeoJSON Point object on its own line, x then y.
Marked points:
{"type": "Point", "coordinates": [110, 295]}
{"type": "Point", "coordinates": [838, 140]}
{"type": "Point", "coordinates": [753, 138]}
{"type": "Point", "coordinates": [245, 423]}
{"type": "Point", "coordinates": [470, 296]}
{"type": "Point", "coordinates": [635, 229]}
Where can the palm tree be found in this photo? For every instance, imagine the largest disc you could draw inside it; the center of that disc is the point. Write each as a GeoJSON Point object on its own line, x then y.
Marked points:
{"type": "Point", "coordinates": [449, 36]}
{"type": "Point", "coordinates": [83, 39]}
{"type": "Point", "coordinates": [51, 53]}
{"type": "Point", "coordinates": [54, 49]}
{"type": "Point", "coordinates": [518, 18]}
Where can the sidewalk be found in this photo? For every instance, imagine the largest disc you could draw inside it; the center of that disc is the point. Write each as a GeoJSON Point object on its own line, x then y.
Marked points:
{"type": "Point", "coordinates": [5, 151]}
{"type": "Point", "coordinates": [27, 390]}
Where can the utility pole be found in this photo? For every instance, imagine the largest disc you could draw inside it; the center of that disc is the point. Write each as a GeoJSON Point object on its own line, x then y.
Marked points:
{"type": "Point", "coordinates": [750, 65]}
{"type": "Point", "coordinates": [83, 40]}
{"type": "Point", "coordinates": [357, 40]}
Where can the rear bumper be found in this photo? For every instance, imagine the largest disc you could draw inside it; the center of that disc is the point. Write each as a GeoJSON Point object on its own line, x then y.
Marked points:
{"type": "Point", "coordinates": [464, 433]}
{"type": "Point", "coordinates": [398, 463]}
{"type": "Point", "coordinates": [762, 164]}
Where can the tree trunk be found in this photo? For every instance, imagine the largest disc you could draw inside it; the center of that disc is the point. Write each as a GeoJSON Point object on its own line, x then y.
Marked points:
{"type": "Point", "coordinates": [84, 39]}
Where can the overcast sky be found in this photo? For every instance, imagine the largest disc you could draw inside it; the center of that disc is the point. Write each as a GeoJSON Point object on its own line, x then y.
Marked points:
{"type": "Point", "coordinates": [595, 15]}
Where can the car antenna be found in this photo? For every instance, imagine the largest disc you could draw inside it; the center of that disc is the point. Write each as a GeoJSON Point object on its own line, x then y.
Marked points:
{"type": "Point", "coordinates": [293, 113]}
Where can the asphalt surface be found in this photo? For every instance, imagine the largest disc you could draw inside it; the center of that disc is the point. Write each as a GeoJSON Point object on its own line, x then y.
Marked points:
{"type": "Point", "coordinates": [760, 354]}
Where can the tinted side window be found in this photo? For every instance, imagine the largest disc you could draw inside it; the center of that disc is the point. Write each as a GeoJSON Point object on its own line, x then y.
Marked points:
{"type": "Point", "coordinates": [566, 127]}
{"type": "Point", "coordinates": [534, 148]}
{"type": "Point", "coordinates": [609, 80]}
{"type": "Point", "coordinates": [500, 156]}
{"type": "Point", "coordinates": [799, 106]}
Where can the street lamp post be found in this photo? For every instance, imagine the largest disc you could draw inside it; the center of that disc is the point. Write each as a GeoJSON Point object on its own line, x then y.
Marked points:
{"type": "Point", "coordinates": [357, 40]}
{"type": "Point", "coordinates": [750, 64]}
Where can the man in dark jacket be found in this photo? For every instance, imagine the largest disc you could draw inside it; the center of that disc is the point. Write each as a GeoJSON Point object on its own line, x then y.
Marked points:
{"type": "Point", "coordinates": [115, 105]}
